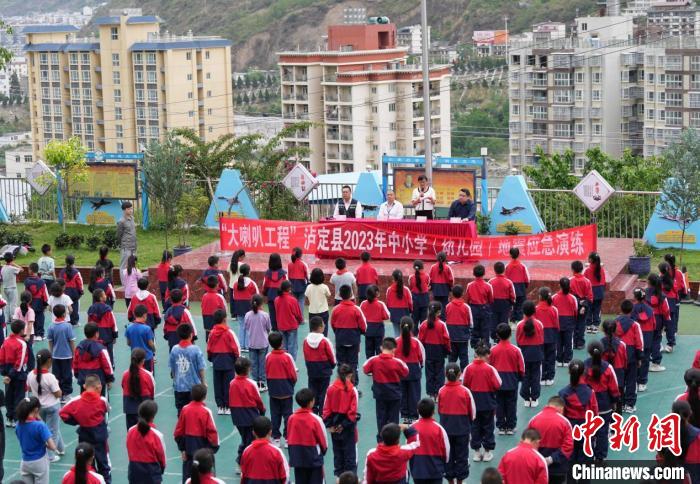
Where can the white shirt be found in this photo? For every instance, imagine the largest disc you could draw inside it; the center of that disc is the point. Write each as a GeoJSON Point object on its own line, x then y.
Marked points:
{"type": "Point", "coordinates": [358, 208]}
{"type": "Point", "coordinates": [318, 295]}
{"type": "Point", "coordinates": [64, 299]}
{"type": "Point", "coordinates": [424, 204]}
{"type": "Point", "coordinates": [395, 212]}
{"type": "Point", "coordinates": [49, 385]}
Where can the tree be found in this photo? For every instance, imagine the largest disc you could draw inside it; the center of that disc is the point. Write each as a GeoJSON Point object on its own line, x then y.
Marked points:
{"type": "Point", "coordinates": [268, 81]}
{"type": "Point", "coordinates": [246, 100]}
{"type": "Point", "coordinates": [552, 171]}
{"type": "Point", "coordinates": [5, 53]}
{"type": "Point", "coordinates": [15, 89]}
{"type": "Point", "coordinates": [67, 158]}
{"type": "Point", "coordinates": [239, 83]}
{"type": "Point", "coordinates": [680, 198]}
{"type": "Point", "coordinates": [246, 80]}
{"type": "Point", "coordinates": [631, 172]}
{"type": "Point", "coordinates": [252, 97]}
{"type": "Point", "coordinates": [239, 99]}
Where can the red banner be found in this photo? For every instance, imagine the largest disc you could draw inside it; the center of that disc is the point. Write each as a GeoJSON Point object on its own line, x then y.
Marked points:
{"type": "Point", "coordinates": [385, 240]}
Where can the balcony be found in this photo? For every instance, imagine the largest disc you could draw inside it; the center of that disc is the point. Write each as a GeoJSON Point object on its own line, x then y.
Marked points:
{"type": "Point", "coordinates": [332, 134]}
{"type": "Point", "coordinates": [332, 116]}
{"type": "Point", "coordinates": [333, 155]}
{"type": "Point", "coordinates": [561, 114]}
{"type": "Point", "coordinates": [579, 147]}
{"type": "Point", "coordinates": [346, 136]}
{"type": "Point", "coordinates": [580, 113]}
{"type": "Point", "coordinates": [595, 112]}
{"type": "Point", "coordinates": [435, 112]}
{"type": "Point", "coordinates": [330, 77]}
{"type": "Point", "coordinates": [333, 98]}
{"type": "Point", "coordinates": [345, 98]}
{"type": "Point", "coordinates": [346, 155]}
{"type": "Point", "coordinates": [539, 82]}
{"type": "Point", "coordinates": [418, 133]}
{"type": "Point", "coordinates": [515, 93]}
{"type": "Point", "coordinates": [345, 116]}
{"type": "Point", "coordinates": [289, 115]}
{"type": "Point", "coordinates": [287, 96]}
{"type": "Point", "coordinates": [301, 78]}
{"type": "Point", "coordinates": [304, 115]}
{"type": "Point", "coordinates": [636, 92]}
{"type": "Point", "coordinates": [287, 77]}
{"type": "Point", "coordinates": [303, 96]}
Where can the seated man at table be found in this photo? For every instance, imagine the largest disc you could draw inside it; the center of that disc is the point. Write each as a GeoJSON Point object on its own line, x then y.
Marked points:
{"type": "Point", "coordinates": [464, 207]}
{"type": "Point", "coordinates": [347, 206]}
{"type": "Point", "coordinates": [392, 209]}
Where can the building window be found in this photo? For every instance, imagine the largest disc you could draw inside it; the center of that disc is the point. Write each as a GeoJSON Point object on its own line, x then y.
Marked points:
{"type": "Point", "coordinates": [77, 128]}
{"type": "Point", "coordinates": [208, 93]}
{"type": "Point", "coordinates": [86, 76]}
{"type": "Point", "coordinates": [596, 78]}
{"type": "Point", "coordinates": [74, 58]}
{"type": "Point", "coordinates": [650, 114]}
{"type": "Point", "coordinates": [597, 129]}
{"type": "Point", "coordinates": [209, 111]}
{"type": "Point", "coordinates": [650, 96]}
{"type": "Point", "coordinates": [189, 95]}
{"type": "Point", "coordinates": [87, 94]}
{"type": "Point", "coordinates": [140, 95]}
{"type": "Point", "coordinates": [154, 132]}
{"type": "Point", "coordinates": [116, 78]}
{"type": "Point", "coordinates": [74, 76]}
{"type": "Point", "coordinates": [206, 54]}
{"type": "Point", "coordinates": [580, 76]}
{"type": "Point", "coordinates": [153, 113]}
{"type": "Point", "coordinates": [695, 63]}
{"type": "Point", "coordinates": [55, 76]}
{"type": "Point", "coordinates": [515, 109]}
{"type": "Point", "coordinates": [191, 114]}
{"type": "Point", "coordinates": [115, 60]}
{"type": "Point", "coordinates": [120, 147]}
{"type": "Point", "coordinates": [151, 77]}
{"type": "Point", "coordinates": [579, 94]}
{"type": "Point", "coordinates": [392, 107]}
{"type": "Point", "coordinates": [87, 110]}
{"type": "Point", "coordinates": [85, 58]}
{"type": "Point", "coordinates": [138, 76]}
{"type": "Point", "coordinates": [695, 120]}
{"type": "Point", "coordinates": [138, 58]}
{"type": "Point", "coordinates": [595, 95]}
{"type": "Point", "coordinates": [374, 90]}
{"type": "Point", "coordinates": [579, 128]}
{"type": "Point", "coordinates": [54, 58]}
{"type": "Point", "coordinates": [562, 79]}
{"type": "Point", "coordinates": [142, 131]}
{"type": "Point", "coordinates": [392, 145]}
{"type": "Point", "coordinates": [58, 127]}
{"type": "Point", "coordinates": [674, 118]}
{"type": "Point", "coordinates": [115, 33]}
{"type": "Point", "coordinates": [208, 75]}
{"type": "Point", "coordinates": [151, 58]}
{"type": "Point", "coordinates": [140, 113]}
{"type": "Point", "coordinates": [117, 113]}
{"type": "Point", "coordinates": [117, 95]}
{"type": "Point", "coordinates": [119, 130]}
{"type": "Point", "coordinates": [562, 96]}
{"type": "Point", "coordinates": [57, 111]}
{"type": "Point", "coordinates": [188, 55]}
{"type": "Point", "coordinates": [189, 77]}
{"type": "Point", "coordinates": [75, 93]}
{"type": "Point", "coordinates": [211, 129]}
{"type": "Point", "coordinates": [674, 99]}
{"type": "Point", "coordinates": [674, 81]}
{"type": "Point", "coordinates": [694, 99]}
{"type": "Point", "coordinates": [56, 92]}
{"type": "Point", "coordinates": [392, 87]}
{"type": "Point", "coordinates": [152, 95]}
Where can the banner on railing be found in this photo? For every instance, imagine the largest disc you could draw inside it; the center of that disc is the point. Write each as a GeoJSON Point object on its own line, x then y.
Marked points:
{"type": "Point", "coordinates": [404, 241]}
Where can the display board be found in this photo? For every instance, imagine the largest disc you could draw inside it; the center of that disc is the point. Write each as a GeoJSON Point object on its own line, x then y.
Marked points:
{"type": "Point", "coordinates": [106, 180]}
{"type": "Point", "coordinates": [446, 182]}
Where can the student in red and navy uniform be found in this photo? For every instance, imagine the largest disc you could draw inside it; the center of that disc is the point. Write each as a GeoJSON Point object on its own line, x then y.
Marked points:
{"type": "Point", "coordinates": [399, 301]}
{"type": "Point", "coordinates": [692, 393]}
{"type": "Point", "coordinates": [600, 376]}
{"type": "Point", "coordinates": [435, 338]}
{"type": "Point", "coordinates": [320, 361]}
{"type": "Point", "coordinates": [223, 351]}
{"type": "Point", "coordinates": [556, 443]}
{"type": "Point", "coordinates": [680, 287]}
{"type": "Point", "coordinates": [517, 272]}
{"type": "Point", "coordinates": [690, 444]}
{"type": "Point", "coordinates": [40, 299]}
{"type": "Point", "coordinates": [176, 282]}
{"type": "Point", "coordinates": [195, 429]}
{"type": "Point", "coordinates": [202, 469]}
{"type": "Point", "coordinates": [162, 273]}
{"type": "Point", "coordinates": [340, 417]}
{"type": "Point", "coordinates": [92, 358]}
{"type": "Point", "coordinates": [73, 288]}
{"type": "Point", "coordinates": [88, 411]}
{"type": "Point", "coordinates": [458, 317]}
{"type": "Point", "coordinates": [101, 282]}
{"type": "Point", "coordinates": [145, 447]}
{"type": "Point", "coordinates": [289, 317]}
{"type": "Point", "coordinates": [388, 462]}
{"type": "Point", "coordinates": [274, 276]}
{"type": "Point", "coordinates": [410, 350]}
{"type": "Point", "coordinates": [306, 439]}
{"type": "Point", "coordinates": [419, 284]}
{"type": "Point", "coordinates": [262, 461]}
{"type": "Point", "coordinates": [387, 371]}
{"type": "Point", "coordinates": [615, 353]}
{"type": "Point", "coordinates": [529, 335]}
{"type": "Point", "coordinates": [145, 298]}
{"type": "Point", "coordinates": [281, 377]}
{"type": "Point", "coordinates": [503, 298]}
{"type": "Point", "coordinates": [138, 386]}
{"type": "Point", "coordinates": [242, 292]}
{"type": "Point", "coordinates": [597, 276]}
{"type": "Point", "coordinates": [483, 381]}
{"type": "Point", "coordinates": [83, 471]}
{"type": "Point", "coordinates": [430, 459]}
{"type": "Point", "coordinates": [547, 314]}
{"type": "Point", "coordinates": [174, 316]}
{"type": "Point", "coordinates": [14, 357]}
{"type": "Point", "coordinates": [479, 296]}
{"type": "Point", "coordinates": [365, 277]}
{"type": "Point", "coordinates": [643, 314]}
{"type": "Point", "coordinates": [567, 308]}
{"type": "Point", "coordinates": [441, 281]}
{"type": "Point", "coordinates": [212, 301]}
{"type": "Point", "coordinates": [457, 410]}
{"type": "Point", "coordinates": [298, 274]}
{"type": "Point", "coordinates": [244, 403]}
{"type": "Point", "coordinates": [349, 324]}
{"type": "Point", "coordinates": [578, 398]}
{"type": "Point", "coordinates": [662, 315]}
{"type": "Point", "coordinates": [100, 313]}
{"type": "Point", "coordinates": [376, 313]}
{"type": "Point", "coordinates": [583, 291]}
{"type": "Point", "coordinates": [524, 464]}
{"type": "Point", "coordinates": [670, 287]}
{"type": "Point", "coordinates": [212, 270]}
{"type": "Point", "coordinates": [508, 360]}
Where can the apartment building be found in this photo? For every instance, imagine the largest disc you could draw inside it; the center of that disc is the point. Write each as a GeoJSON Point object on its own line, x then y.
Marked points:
{"type": "Point", "coordinates": [675, 17]}
{"type": "Point", "coordinates": [363, 99]}
{"type": "Point", "coordinates": [128, 86]}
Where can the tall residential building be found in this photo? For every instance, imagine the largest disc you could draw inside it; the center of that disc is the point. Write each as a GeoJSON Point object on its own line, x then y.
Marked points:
{"type": "Point", "coordinates": [363, 99]}
{"type": "Point", "coordinates": [411, 36]}
{"type": "Point", "coordinates": [128, 86]}
{"type": "Point", "coordinates": [675, 17]}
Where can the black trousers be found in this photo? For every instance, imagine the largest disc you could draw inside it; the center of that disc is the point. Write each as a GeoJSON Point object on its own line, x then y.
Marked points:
{"type": "Point", "coordinates": [344, 451]}
{"type": "Point", "coordinates": [182, 399]}
{"type": "Point", "coordinates": [222, 380]}
{"type": "Point", "coordinates": [387, 412]}
{"type": "Point", "coordinates": [246, 439]}
{"type": "Point", "coordinates": [280, 410]}
{"type": "Point", "coordinates": [308, 475]}
{"type": "Point", "coordinates": [425, 213]}
{"type": "Point", "coordinates": [319, 386]}
{"type": "Point", "coordinates": [350, 355]}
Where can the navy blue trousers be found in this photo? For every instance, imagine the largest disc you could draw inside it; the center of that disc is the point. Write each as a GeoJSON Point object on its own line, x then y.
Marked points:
{"type": "Point", "coordinates": [481, 324]}
{"type": "Point", "coordinates": [548, 365]}
{"type": "Point", "coordinates": [482, 430]}
{"type": "Point", "coordinates": [319, 386]}
{"type": "Point", "coordinates": [410, 395]}
{"type": "Point", "coordinates": [530, 386]}
{"type": "Point", "coordinates": [459, 350]}
{"type": "Point", "coordinates": [506, 409]}
{"type": "Point", "coordinates": [458, 465]}
{"type": "Point", "coordinates": [434, 376]}
{"type": "Point", "coordinates": [388, 411]}
{"type": "Point", "coordinates": [280, 410]}
{"type": "Point", "coordinates": [222, 380]}
{"type": "Point", "coordinates": [344, 451]}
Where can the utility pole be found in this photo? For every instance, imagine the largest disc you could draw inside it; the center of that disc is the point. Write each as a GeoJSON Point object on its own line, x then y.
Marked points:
{"type": "Point", "coordinates": [510, 161]}
{"type": "Point", "coordinates": [427, 131]}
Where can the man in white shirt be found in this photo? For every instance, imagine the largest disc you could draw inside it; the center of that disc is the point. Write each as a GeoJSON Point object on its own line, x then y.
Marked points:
{"type": "Point", "coordinates": [348, 206]}
{"type": "Point", "coordinates": [423, 198]}
{"type": "Point", "coordinates": [391, 209]}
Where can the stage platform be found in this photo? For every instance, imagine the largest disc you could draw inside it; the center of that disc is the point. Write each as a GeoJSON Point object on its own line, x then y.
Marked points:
{"type": "Point", "coordinates": [614, 253]}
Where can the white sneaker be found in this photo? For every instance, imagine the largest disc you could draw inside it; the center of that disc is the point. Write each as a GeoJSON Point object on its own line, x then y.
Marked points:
{"type": "Point", "coordinates": [560, 364]}
{"type": "Point", "coordinates": [227, 411]}
{"type": "Point", "coordinates": [550, 383]}
{"type": "Point", "coordinates": [526, 403]}
{"type": "Point", "coordinates": [641, 387]}
{"type": "Point", "coordinates": [220, 411]}
{"type": "Point", "coordinates": [534, 403]}
{"type": "Point", "coordinates": [55, 458]}
{"type": "Point", "coordinates": [655, 367]}
{"type": "Point", "coordinates": [276, 443]}
{"type": "Point", "coordinates": [543, 383]}
{"type": "Point", "coordinates": [510, 431]}
{"type": "Point", "coordinates": [629, 409]}
{"type": "Point", "coordinates": [38, 338]}
{"type": "Point", "coordinates": [478, 456]}
{"type": "Point", "coordinates": [501, 432]}
{"type": "Point", "coordinates": [488, 456]}
{"type": "Point", "coordinates": [285, 444]}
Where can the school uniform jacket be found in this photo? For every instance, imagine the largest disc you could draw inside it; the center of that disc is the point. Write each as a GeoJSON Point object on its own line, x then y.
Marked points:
{"type": "Point", "coordinates": [581, 287]}
{"type": "Point", "coordinates": [644, 315]}
{"type": "Point", "coordinates": [162, 271]}
{"type": "Point", "coordinates": [340, 405]}
{"type": "Point", "coordinates": [479, 293]}
{"type": "Point", "coordinates": [430, 457]}
{"type": "Point", "coordinates": [567, 308]}
{"type": "Point", "coordinates": [415, 360]}
{"type": "Point", "coordinates": [92, 477]}
{"type": "Point", "coordinates": [388, 463]}
{"type": "Point", "coordinates": [244, 401]}
{"type": "Point", "coordinates": [630, 332]}
{"type": "Point", "coordinates": [88, 412]}
{"type": "Point", "coordinates": [484, 381]}
{"type": "Point", "coordinates": [549, 317]}
{"type": "Point", "coordinates": [458, 317]}
{"type": "Point", "coordinates": [556, 441]}
{"type": "Point", "coordinates": [319, 356]}
{"type": "Point", "coordinates": [148, 299]}
{"type": "Point", "coordinates": [306, 438]}
{"type": "Point", "coordinates": [503, 292]}
{"type": "Point", "coordinates": [181, 284]}
{"type": "Point", "coordinates": [456, 407]}
{"type": "Point", "coordinates": [106, 286]}
{"type": "Point", "coordinates": [413, 284]}
{"type": "Point", "coordinates": [272, 281]}
{"type": "Point", "coordinates": [91, 356]}
{"type": "Point", "coordinates": [195, 429]}
{"type": "Point", "coordinates": [36, 286]}
{"type": "Point", "coordinates": [222, 287]}
{"type": "Point", "coordinates": [387, 372]}
{"type": "Point", "coordinates": [281, 373]}
{"type": "Point", "coordinates": [222, 347]}
{"type": "Point", "coordinates": [441, 282]}
{"type": "Point", "coordinates": [366, 275]}
{"type": "Point", "coordinates": [618, 358]}
{"type": "Point", "coordinates": [74, 283]}
{"type": "Point", "coordinates": [348, 323]}
{"type": "Point", "coordinates": [597, 286]}
{"type": "Point", "coordinates": [298, 274]}
{"type": "Point", "coordinates": [250, 289]}
{"type": "Point", "coordinates": [393, 301]}
{"type": "Point", "coordinates": [176, 315]}
{"type": "Point", "coordinates": [101, 314]}
{"type": "Point", "coordinates": [531, 346]}
{"type": "Point", "coordinates": [578, 400]}
{"type": "Point", "coordinates": [375, 313]}
{"type": "Point", "coordinates": [523, 464]}
{"type": "Point", "coordinates": [660, 307]}
{"type": "Point", "coordinates": [436, 340]}
{"type": "Point", "coordinates": [147, 384]}
{"type": "Point", "coordinates": [146, 452]}
{"type": "Point", "coordinates": [263, 463]}
{"type": "Point", "coordinates": [14, 357]}
{"type": "Point", "coordinates": [606, 388]}
{"type": "Point", "coordinates": [508, 360]}
{"type": "Point", "coordinates": [692, 456]}
{"type": "Point", "coordinates": [696, 360]}
{"type": "Point", "coordinates": [287, 312]}
{"type": "Point", "coordinates": [517, 272]}
{"type": "Point", "coordinates": [212, 300]}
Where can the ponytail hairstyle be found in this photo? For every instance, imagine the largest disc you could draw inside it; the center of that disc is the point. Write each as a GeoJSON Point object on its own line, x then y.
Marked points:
{"type": "Point", "coordinates": [245, 272]}
{"type": "Point", "coordinates": [595, 350]}
{"type": "Point", "coordinates": [685, 412]}
{"type": "Point", "coordinates": [441, 258]}
{"type": "Point", "coordinates": [639, 294]}
{"type": "Point", "coordinates": [671, 260]}
{"type": "Point", "coordinates": [609, 328]}
{"type": "Point", "coordinates": [594, 259]}
{"type": "Point", "coordinates": [371, 293]}
{"type": "Point", "coordinates": [406, 328]}
{"type": "Point", "coordinates": [26, 407]}
{"type": "Point", "coordinates": [84, 455]}
{"type": "Point", "coordinates": [565, 285]}
{"type": "Point", "coordinates": [42, 357]}
{"type": "Point", "coordinates": [345, 373]}
{"type": "Point", "coordinates": [397, 276]}
{"type": "Point", "coordinates": [692, 379]}
{"type": "Point", "coordinates": [131, 264]}
{"type": "Point", "coordinates": [654, 283]}
{"type": "Point", "coordinates": [417, 267]}
{"type": "Point", "coordinates": [434, 310]}
{"type": "Point", "coordinates": [529, 311]}
{"type": "Point", "coordinates": [296, 254]}
{"type": "Point", "coordinates": [104, 252]}
{"type": "Point", "coordinates": [138, 356]}
{"type": "Point", "coordinates": [97, 295]}
{"type": "Point", "coordinates": [482, 350]}
{"type": "Point", "coordinates": [235, 257]}
{"type": "Point", "coordinates": [666, 277]}
{"type": "Point", "coordinates": [173, 273]}
{"type": "Point", "coordinates": [256, 303]}
{"type": "Point", "coordinates": [576, 369]}
{"type": "Point", "coordinates": [70, 262]}
{"type": "Point", "coordinates": [25, 300]}
{"type": "Point", "coordinates": [147, 413]}
{"type": "Point", "coordinates": [452, 372]}
{"type": "Point", "coordinates": [202, 464]}
{"type": "Point", "coordinates": [545, 295]}
{"type": "Point", "coordinates": [166, 257]}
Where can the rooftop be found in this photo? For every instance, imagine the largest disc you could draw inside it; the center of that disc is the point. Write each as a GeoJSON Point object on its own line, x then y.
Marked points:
{"type": "Point", "coordinates": [136, 19]}
{"type": "Point", "coordinates": [397, 50]}
{"type": "Point", "coordinates": [46, 29]}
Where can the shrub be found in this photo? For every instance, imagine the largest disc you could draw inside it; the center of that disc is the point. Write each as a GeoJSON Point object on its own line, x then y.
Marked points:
{"type": "Point", "coordinates": [511, 228]}
{"type": "Point", "coordinates": [62, 240]}
{"type": "Point", "coordinates": [483, 223]}
{"type": "Point", "coordinates": [76, 240]}
{"type": "Point", "coordinates": [109, 238]}
{"type": "Point", "coordinates": [641, 249]}
{"type": "Point", "coordinates": [94, 240]}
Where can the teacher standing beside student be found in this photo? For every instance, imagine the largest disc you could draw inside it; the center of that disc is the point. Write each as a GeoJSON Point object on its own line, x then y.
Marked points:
{"type": "Point", "coordinates": [423, 198]}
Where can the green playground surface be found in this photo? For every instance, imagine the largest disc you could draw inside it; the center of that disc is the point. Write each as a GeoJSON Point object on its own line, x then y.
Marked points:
{"type": "Point", "coordinates": [663, 388]}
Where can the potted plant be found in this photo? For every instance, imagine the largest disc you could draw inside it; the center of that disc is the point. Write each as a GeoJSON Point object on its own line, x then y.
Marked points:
{"type": "Point", "coordinates": [511, 229]}
{"type": "Point", "coordinates": [640, 262]}
{"type": "Point", "coordinates": [191, 211]}
{"type": "Point", "coordinates": [483, 222]}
